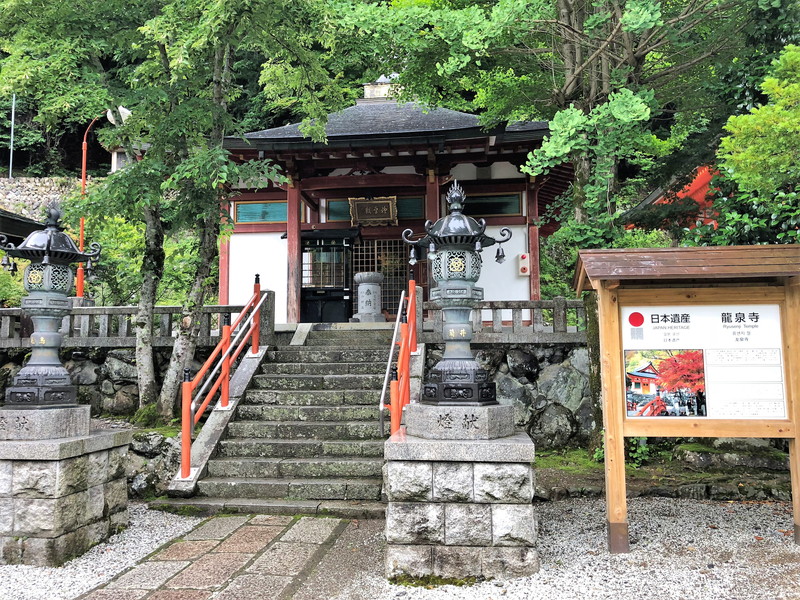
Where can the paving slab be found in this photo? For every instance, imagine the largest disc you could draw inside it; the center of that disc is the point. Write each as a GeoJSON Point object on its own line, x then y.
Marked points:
{"type": "Point", "coordinates": [109, 594]}
{"type": "Point", "coordinates": [252, 586]}
{"type": "Point", "coordinates": [284, 558]}
{"type": "Point", "coordinates": [186, 550]}
{"type": "Point", "coordinates": [311, 530]}
{"type": "Point", "coordinates": [180, 595]}
{"type": "Point", "coordinates": [351, 566]}
{"type": "Point", "coordinates": [261, 557]}
{"type": "Point", "coordinates": [211, 571]}
{"type": "Point", "coordinates": [249, 539]}
{"type": "Point", "coordinates": [271, 520]}
{"type": "Point", "coordinates": [149, 575]}
{"type": "Point", "coordinates": [216, 529]}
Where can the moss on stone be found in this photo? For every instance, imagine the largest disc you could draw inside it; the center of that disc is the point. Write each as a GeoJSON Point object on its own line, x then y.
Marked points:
{"type": "Point", "coordinates": [574, 461]}
{"type": "Point", "coordinates": [431, 581]}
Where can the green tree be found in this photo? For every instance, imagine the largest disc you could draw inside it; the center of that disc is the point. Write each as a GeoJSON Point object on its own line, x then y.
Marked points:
{"type": "Point", "coordinates": [762, 150]}
{"type": "Point", "coordinates": [177, 66]}
{"type": "Point", "coordinates": [599, 71]}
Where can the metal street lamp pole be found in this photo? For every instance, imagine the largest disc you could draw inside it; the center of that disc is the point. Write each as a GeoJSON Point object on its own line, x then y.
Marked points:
{"type": "Point", "coordinates": [11, 140]}
{"type": "Point", "coordinates": [84, 147]}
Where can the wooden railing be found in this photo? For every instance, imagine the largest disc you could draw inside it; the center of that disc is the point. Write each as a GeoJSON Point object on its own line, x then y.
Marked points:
{"type": "Point", "coordinates": [516, 321]}
{"type": "Point", "coordinates": [112, 326]}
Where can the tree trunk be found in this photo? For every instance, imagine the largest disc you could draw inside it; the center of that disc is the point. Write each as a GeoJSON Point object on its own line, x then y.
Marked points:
{"type": "Point", "coordinates": [152, 270]}
{"type": "Point", "coordinates": [186, 342]}
{"type": "Point", "coordinates": [582, 166]}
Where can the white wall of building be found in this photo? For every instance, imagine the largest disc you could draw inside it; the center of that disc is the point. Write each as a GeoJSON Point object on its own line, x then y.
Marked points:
{"type": "Point", "coordinates": [263, 253]}
{"type": "Point", "coordinates": [501, 281]}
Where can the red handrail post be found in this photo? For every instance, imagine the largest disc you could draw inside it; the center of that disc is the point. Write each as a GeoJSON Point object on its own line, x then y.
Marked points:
{"type": "Point", "coordinates": [225, 371]}
{"type": "Point", "coordinates": [395, 409]}
{"type": "Point", "coordinates": [187, 424]}
{"type": "Point", "coordinates": [412, 314]}
{"type": "Point", "coordinates": [256, 316]}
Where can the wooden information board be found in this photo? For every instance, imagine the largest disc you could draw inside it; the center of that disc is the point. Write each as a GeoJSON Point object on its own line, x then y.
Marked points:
{"type": "Point", "coordinates": [708, 335]}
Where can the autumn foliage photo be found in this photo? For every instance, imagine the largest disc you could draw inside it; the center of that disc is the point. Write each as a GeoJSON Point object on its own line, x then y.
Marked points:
{"type": "Point", "coordinates": [665, 383]}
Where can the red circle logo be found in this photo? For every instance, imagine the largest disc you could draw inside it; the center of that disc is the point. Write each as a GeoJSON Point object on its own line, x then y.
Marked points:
{"type": "Point", "coordinates": [636, 319]}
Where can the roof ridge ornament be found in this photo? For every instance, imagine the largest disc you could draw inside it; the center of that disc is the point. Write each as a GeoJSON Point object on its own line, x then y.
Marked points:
{"type": "Point", "coordinates": [456, 198]}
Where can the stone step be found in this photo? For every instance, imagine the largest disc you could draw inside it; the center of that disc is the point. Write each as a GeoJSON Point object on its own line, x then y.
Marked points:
{"type": "Point", "coordinates": [255, 447]}
{"type": "Point", "coordinates": [304, 368]}
{"type": "Point", "coordinates": [304, 430]}
{"type": "Point", "coordinates": [295, 467]}
{"type": "Point", "coordinates": [318, 382]}
{"type": "Point", "coordinates": [355, 342]}
{"type": "Point", "coordinates": [255, 397]}
{"type": "Point", "coordinates": [347, 509]}
{"type": "Point", "coordinates": [306, 413]}
{"type": "Point", "coordinates": [348, 353]}
{"type": "Point", "coordinates": [362, 488]}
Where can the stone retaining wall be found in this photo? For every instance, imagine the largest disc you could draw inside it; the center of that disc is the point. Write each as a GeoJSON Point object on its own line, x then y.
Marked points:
{"type": "Point", "coordinates": [106, 379]}
{"type": "Point", "coordinates": [548, 385]}
{"type": "Point", "coordinates": [29, 196]}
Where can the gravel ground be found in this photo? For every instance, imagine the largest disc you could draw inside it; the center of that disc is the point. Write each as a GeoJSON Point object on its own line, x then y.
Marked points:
{"type": "Point", "coordinates": [148, 530]}
{"type": "Point", "coordinates": [680, 550]}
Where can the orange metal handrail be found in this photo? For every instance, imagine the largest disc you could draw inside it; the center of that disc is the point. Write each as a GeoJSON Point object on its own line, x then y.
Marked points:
{"type": "Point", "coordinates": [400, 388]}
{"type": "Point", "coordinates": [218, 368]}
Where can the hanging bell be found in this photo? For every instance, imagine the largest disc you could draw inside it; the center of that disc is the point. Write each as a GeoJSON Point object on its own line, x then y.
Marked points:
{"type": "Point", "coordinates": [412, 257]}
{"type": "Point", "coordinates": [500, 257]}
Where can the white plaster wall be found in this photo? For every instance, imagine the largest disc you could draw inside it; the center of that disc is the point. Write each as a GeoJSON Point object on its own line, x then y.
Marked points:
{"type": "Point", "coordinates": [263, 253]}
{"type": "Point", "coordinates": [500, 281]}
{"type": "Point", "coordinates": [464, 172]}
{"type": "Point", "coordinates": [505, 170]}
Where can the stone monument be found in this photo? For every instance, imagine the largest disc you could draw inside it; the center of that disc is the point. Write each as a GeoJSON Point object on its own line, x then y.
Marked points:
{"type": "Point", "coordinates": [369, 297]}
{"type": "Point", "coordinates": [62, 486]}
{"type": "Point", "coordinates": [459, 478]}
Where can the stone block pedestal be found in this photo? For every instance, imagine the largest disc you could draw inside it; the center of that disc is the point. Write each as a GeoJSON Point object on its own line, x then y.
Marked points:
{"type": "Point", "coordinates": [460, 508]}
{"type": "Point", "coordinates": [59, 497]}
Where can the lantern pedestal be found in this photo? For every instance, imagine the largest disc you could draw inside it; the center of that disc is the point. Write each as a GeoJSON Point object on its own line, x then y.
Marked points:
{"type": "Point", "coordinates": [459, 421]}
{"type": "Point", "coordinates": [460, 508]}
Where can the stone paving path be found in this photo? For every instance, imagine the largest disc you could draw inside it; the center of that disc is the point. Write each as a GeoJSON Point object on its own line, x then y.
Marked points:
{"type": "Point", "coordinates": [255, 557]}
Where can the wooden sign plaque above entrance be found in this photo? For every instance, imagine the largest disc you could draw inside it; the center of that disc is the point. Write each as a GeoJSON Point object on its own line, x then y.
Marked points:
{"type": "Point", "coordinates": [695, 342]}
{"type": "Point", "coordinates": [373, 212]}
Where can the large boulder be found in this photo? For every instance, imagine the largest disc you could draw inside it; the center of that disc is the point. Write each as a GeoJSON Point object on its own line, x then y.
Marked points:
{"type": "Point", "coordinates": [512, 392]}
{"type": "Point", "coordinates": [123, 401]}
{"type": "Point", "coordinates": [522, 364]}
{"type": "Point", "coordinates": [553, 427]}
{"type": "Point", "coordinates": [120, 366]}
{"type": "Point", "coordinates": [83, 372]}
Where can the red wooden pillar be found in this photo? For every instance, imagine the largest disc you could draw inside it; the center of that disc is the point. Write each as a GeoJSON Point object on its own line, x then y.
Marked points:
{"type": "Point", "coordinates": [432, 196]}
{"type": "Point", "coordinates": [533, 239]}
{"type": "Point", "coordinates": [224, 260]}
{"type": "Point", "coordinates": [295, 251]}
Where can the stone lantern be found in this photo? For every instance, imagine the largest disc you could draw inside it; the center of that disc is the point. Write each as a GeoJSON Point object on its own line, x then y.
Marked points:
{"type": "Point", "coordinates": [459, 479]}
{"type": "Point", "coordinates": [44, 382]}
{"type": "Point", "coordinates": [65, 486]}
{"type": "Point", "coordinates": [454, 244]}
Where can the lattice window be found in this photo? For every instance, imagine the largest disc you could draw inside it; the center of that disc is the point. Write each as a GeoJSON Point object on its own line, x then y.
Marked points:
{"type": "Point", "coordinates": [324, 266]}
{"type": "Point", "coordinates": [35, 277]}
{"type": "Point", "coordinates": [389, 257]}
{"type": "Point", "coordinates": [61, 278]}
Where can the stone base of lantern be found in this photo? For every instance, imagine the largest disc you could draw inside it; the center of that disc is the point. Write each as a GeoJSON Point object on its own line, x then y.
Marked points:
{"type": "Point", "coordinates": [59, 497]}
{"type": "Point", "coordinates": [459, 422]}
{"type": "Point", "coordinates": [460, 508]}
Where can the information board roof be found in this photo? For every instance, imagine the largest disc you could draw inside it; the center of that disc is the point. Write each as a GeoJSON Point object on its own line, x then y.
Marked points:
{"type": "Point", "coordinates": [661, 264]}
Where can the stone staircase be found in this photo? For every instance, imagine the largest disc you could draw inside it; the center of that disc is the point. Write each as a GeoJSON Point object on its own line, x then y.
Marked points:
{"type": "Point", "coordinates": [305, 438]}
